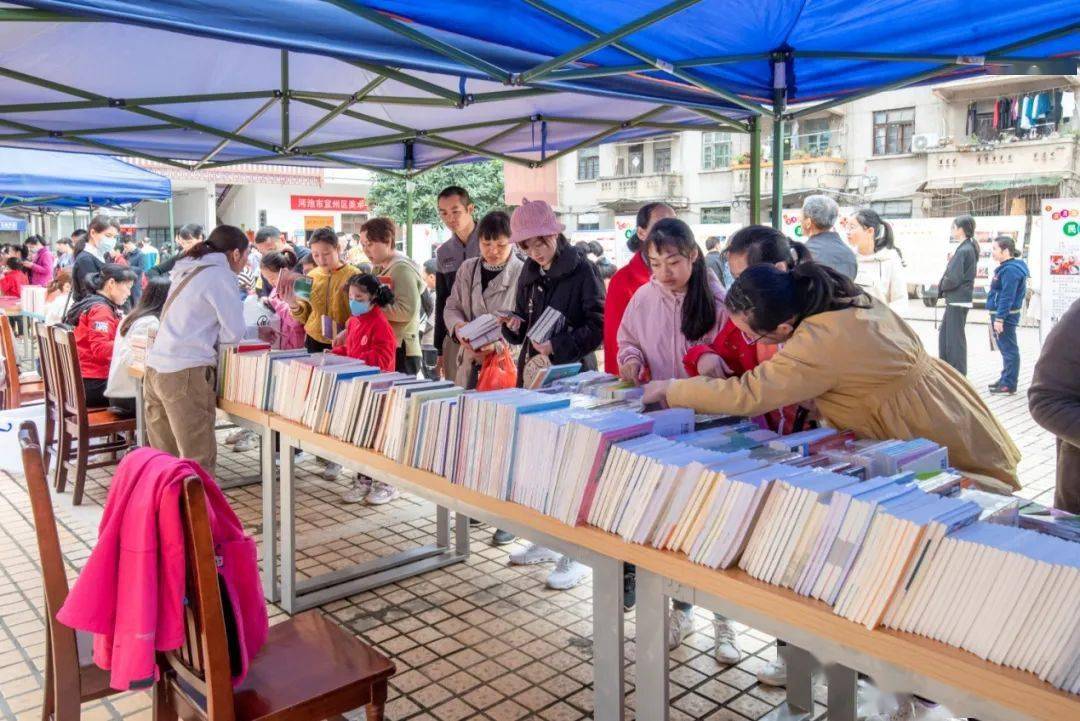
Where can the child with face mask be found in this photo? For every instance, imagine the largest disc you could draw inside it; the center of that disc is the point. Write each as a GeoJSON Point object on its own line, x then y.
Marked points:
{"type": "Point", "coordinates": [368, 335]}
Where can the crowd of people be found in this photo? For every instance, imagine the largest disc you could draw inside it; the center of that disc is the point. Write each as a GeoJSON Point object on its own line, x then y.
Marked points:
{"type": "Point", "coordinates": [788, 333]}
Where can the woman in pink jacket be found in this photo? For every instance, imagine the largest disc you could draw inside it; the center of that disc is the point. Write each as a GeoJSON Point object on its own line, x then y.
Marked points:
{"type": "Point", "coordinates": [680, 307]}
{"type": "Point", "coordinates": [292, 330]}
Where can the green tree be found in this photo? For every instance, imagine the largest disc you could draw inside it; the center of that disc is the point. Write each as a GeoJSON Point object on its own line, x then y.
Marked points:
{"type": "Point", "coordinates": [484, 181]}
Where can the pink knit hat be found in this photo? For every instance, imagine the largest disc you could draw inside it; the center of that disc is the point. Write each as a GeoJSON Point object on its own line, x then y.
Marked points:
{"type": "Point", "coordinates": [533, 218]}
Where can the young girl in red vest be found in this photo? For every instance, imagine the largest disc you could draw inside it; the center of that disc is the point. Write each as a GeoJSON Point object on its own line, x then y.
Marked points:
{"type": "Point", "coordinates": [368, 335]}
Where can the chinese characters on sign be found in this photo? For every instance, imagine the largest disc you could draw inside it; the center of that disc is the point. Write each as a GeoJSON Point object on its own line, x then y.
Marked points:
{"type": "Point", "coordinates": [328, 202]}
{"type": "Point", "coordinates": [1060, 259]}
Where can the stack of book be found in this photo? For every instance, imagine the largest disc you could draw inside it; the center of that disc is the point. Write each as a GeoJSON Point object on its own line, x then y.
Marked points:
{"type": "Point", "coordinates": [481, 331]}
{"type": "Point", "coordinates": [550, 322]}
{"type": "Point", "coordinates": [1009, 595]}
{"type": "Point", "coordinates": [291, 382]}
{"type": "Point", "coordinates": [355, 411]}
{"type": "Point", "coordinates": [402, 430]}
{"type": "Point", "coordinates": [327, 382]}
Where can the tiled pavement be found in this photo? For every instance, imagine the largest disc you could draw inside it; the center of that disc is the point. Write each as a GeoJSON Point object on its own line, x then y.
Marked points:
{"type": "Point", "coordinates": [476, 641]}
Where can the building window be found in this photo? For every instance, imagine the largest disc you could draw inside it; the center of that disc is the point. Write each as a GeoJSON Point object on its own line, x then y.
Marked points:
{"type": "Point", "coordinates": [351, 222]}
{"type": "Point", "coordinates": [588, 221]}
{"type": "Point", "coordinates": [892, 208]}
{"type": "Point", "coordinates": [716, 215]}
{"type": "Point", "coordinates": [636, 165]}
{"type": "Point", "coordinates": [715, 150]}
{"type": "Point", "coordinates": [893, 130]}
{"type": "Point", "coordinates": [662, 157]}
{"type": "Point", "coordinates": [588, 163]}
{"type": "Point", "coordinates": [814, 137]}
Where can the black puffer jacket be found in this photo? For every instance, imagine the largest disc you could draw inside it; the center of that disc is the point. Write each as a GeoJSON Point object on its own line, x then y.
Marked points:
{"type": "Point", "coordinates": [958, 283]}
{"type": "Point", "coordinates": [573, 287]}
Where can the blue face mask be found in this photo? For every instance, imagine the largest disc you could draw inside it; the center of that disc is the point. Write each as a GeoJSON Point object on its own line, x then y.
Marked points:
{"type": "Point", "coordinates": [106, 245]}
{"type": "Point", "coordinates": [359, 307]}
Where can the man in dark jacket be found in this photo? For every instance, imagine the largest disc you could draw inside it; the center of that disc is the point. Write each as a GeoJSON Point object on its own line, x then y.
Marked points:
{"type": "Point", "coordinates": [714, 261]}
{"type": "Point", "coordinates": [819, 214]}
{"type": "Point", "coordinates": [957, 287]}
{"type": "Point", "coordinates": [1054, 400]}
{"type": "Point", "coordinates": [136, 261]}
{"type": "Point", "coordinates": [1005, 303]}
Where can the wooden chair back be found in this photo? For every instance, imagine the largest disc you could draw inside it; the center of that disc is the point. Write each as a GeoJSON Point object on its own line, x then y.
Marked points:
{"type": "Point", "coordinates": [49, 371]}
{"type": "Point", "coordinates": [11, 363]}
{"type": "Point", "coordinates": [72, 392]}
{"type": "Point", "coordinates": [202, 662]}
{"type": "Point", "coordinates": [62, 641]}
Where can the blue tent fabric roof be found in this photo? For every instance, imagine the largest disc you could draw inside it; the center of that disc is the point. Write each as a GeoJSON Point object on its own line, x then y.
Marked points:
{"type": "Point", "coordinates": [69, 180]}
{"type": "Point", "coordinates": [12, 224]}
{"type": "Point", "coordinates": [705, 60]}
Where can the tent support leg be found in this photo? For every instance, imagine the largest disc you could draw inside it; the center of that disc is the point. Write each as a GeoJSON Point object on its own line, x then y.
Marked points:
{"type": "Point", "coordinates": [778, 171]}
{"type": "Point", "coordinates": [172, 220]}
{"type": "Point", "coordinates": [755, 170]}
{"type": "Point", "coordinates": [284, 98]}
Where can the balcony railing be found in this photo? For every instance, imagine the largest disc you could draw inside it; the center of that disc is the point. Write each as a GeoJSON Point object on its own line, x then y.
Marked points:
{"type": "Point", "coordinates": [640, 188]}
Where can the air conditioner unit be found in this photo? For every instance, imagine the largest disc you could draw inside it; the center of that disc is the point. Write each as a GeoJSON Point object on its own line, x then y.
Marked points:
{"type": "Point", "coordinates": [924, 142]}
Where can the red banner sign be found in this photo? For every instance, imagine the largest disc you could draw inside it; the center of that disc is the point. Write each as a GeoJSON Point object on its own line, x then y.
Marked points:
{"type": "Point", "coordinates": [328, 202]}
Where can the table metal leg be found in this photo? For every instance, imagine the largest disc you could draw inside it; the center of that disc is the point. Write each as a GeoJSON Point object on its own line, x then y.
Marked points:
{"type": "Point", "coordinates": [287, 566]}
{"type": "Point", "coordinates": [843, 698]}
{"type": "Point", "coordinates": [800, 686]}
{"type": "Point", "coordinates": [269, 511]}
{"type": "Point", "coordinates": [651, 661]}
{"type": "Point", "coordinates": [442, 527]}
{"type": "Point", "coordinates": [608, 652]}
{"type": "Point", "coordinates": [461, 535]}
{"type": "Point", "coordinates": [140, 414]}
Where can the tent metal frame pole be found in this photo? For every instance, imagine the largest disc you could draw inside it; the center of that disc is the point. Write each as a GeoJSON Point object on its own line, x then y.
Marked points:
{"type": "Point", "coordinates": [89, 131]}
{"type": "Point", "coordinates": [406, 79]}
{"type": "Point", "coordinates": [285, 99]}
{"type": "Point", "coordinates": [935, 72]}
{"type": "Point", "coordinates": [544, 69]}
{"type": "Point", "coordinates": [351, 113]}
{"type": "Point", "coordinates": [113, 149]}
{"type": "Point", "coordinates": [658, 125]}
{"type": "Point", "coordinates": [655, 62]}
{"type": "Point", "coordinates": [442, 142]}
{"type": "Point", "coordinates": [239, 129]}
{"type": "Point", "coordinates": [374, 142]}
{"type": "Point", "coordinates": [778, 161]}
{"type": "Point", "coordinates": [104, 102]}
{"type": "Point", "coordinates": [605, 72]}
{"type": "Point", "coordinates": [959, 60]}
{"type": "Point", "coordinates": [601, 136]}
{"type": "Point", "coordinates": [486, 141]}
{"type": "Point", "coordinates": [341, 108]}
{"type": "Point", "coordinates": [172, 219]}
{"type": "Point", "coordinates": [386, 99]}
{"type": "Point", "coordinates": [728, 123]}
{"type": "Point", "coordinates": [497, 95]}
{"type": "Point", "coordinates": [755, 170]}
{"type": "Point", "coordinates": [165, 117]}
{"type": "Point", "coordinates": [388, 23]}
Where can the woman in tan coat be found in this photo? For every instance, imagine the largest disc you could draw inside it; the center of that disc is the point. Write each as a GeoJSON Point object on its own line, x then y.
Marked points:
{"type": "Point", "coordinates": [486, 284]}
{"type": "Point", "coordinates": [861, 364]}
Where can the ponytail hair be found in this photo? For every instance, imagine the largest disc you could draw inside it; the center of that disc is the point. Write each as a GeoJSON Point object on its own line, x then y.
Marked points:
{"type": "Point", "coordinates": [768, 296]}
{"type": "Point", "coordinates": [223, 239]}
{"type": "Point", "coordinates": [151, 302]}
{"type": "Point", "coordinates": [380, 293]}
{"type": "Point", "coordinates": [279, 260]}
{"type": "Point", "coordinates": [765, 244]}
{"type": "Point", "coordinates": [699, 306]}
{"type": "Point", "coordinates": [1008, 244]}
{"type": "Point", "coordinates": [110, 271]}
{"type": "Point", "coordinates": [883, 232]}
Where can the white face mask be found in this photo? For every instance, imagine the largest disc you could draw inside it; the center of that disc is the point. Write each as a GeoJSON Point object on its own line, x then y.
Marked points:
{"type": "Point", "coordinates": [107, 244]}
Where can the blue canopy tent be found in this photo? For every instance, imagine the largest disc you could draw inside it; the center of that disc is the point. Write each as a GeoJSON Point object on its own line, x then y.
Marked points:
{"type": "Point", "coordinates": [14, 225]}
{"type": "Point", "coordinates": [402, 87]}
{"type": "Point", "coordinates": [44, 178]}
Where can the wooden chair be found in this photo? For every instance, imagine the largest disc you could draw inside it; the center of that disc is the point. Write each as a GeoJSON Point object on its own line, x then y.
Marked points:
{"type": "Point", "coordinates": [53, 408]}
{"type": "Point", "coordinates": [310, 668]}
{"type": "Point", "coordinates": [71, 678]}
{"type": "Point", "coordinates": [80, 425]}
{"type": "Point", "coordinates": [20, 388]}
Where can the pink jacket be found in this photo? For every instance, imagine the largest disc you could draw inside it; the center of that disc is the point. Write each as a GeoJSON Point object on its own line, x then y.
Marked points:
{"type": "Point", "coordinates": [651, 330]}
{"type": "Point", "coordinates": [292, 330]}
{"type": "Point", "coordinates": [131, 592]}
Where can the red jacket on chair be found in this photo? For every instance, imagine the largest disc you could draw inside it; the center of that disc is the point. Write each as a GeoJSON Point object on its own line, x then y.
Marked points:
{"type": "Point", "coordinates": [620, 290]}
{"type": "Point", "coordinates": [95, 333]}
{"type": "Point", "coordinates": [131, 592]}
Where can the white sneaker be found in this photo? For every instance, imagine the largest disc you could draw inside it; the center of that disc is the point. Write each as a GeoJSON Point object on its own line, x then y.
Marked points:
{"type": "Point", "coordinates": [775, 673]}
{"type": "Point", "coordinates": [382, 493]}
{"type": "Point", "coordinates": [359, 492]}
{"type": "Point", "coordinates": [910, 708]}
{"type": "Point", "coordinates": [725, 641]}
{"type": "Point", "coordinates": [302, 457]}
{"type": "Point", "coordinates": [331, 471]}
{"type": "Point", "coordinates": [248, 442]}
{"type": "Point", "coordinates": [567, 574]}
{"type": "Point", "coordinates": [235, 436]}
{"type": "Point", "coordinates": [680, 625]}
{"type": "Point", "coordinates": [533, 554]}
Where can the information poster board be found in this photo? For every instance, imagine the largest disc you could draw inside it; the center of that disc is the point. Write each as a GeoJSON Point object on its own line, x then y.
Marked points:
{"type": "Point", "coordinates": [1059, 259]}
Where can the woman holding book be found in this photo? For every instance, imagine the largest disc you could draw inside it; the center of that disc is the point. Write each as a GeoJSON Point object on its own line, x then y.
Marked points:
{"type": "Point", "coordinates": [291, 335]}
{"type": "Point", "coordinates": [554, 277]}
{"type": "Point", "coordinates": [326, 311]}
{"type": "Point", "coordinates": [202, 311]}
{"type": "Point", "coordinates": [865, 368]}
{"type": "Point", "coordinates": [483, 285]}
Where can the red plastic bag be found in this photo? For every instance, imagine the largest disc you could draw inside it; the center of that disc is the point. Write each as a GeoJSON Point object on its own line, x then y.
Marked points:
{"type": "Point", "coordinates": [498, 371]}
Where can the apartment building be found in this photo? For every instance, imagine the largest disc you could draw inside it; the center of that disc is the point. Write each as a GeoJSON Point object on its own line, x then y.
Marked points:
{"type": "Point", "coordinates": [929, 151]}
